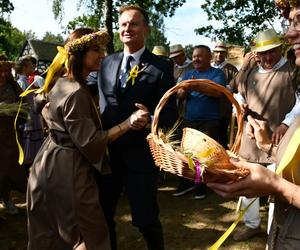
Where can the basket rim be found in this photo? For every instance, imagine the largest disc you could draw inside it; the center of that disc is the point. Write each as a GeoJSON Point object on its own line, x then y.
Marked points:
{"type": "Point", "coordinates": [187, 84]}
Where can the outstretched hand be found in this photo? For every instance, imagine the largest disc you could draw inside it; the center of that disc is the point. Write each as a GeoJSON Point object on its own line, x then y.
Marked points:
{"type": "Point", "coordinates": [139, 118]}
{"type": "Point", "coordinates": [259, 182]}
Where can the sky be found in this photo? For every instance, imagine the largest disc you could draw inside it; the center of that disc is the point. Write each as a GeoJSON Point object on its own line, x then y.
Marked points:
{"type": "Point", "coordinates": [36, 15]}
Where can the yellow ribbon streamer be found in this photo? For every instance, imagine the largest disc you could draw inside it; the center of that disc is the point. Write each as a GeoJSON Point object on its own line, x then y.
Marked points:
{"type": "Point", "coordinates": [290, 157]}
{"type": "Point", "coordinates": [60, 60]}
{"type": "Point", "coordinates": [21, 152]}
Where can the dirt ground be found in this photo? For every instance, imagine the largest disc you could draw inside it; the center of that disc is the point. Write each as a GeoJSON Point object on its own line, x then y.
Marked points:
{"type": "Point", "coordinates": [188, 224]}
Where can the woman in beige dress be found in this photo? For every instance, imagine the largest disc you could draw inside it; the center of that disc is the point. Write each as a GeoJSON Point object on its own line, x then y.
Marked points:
{"type": "Point", "coordinates": [62, 197]}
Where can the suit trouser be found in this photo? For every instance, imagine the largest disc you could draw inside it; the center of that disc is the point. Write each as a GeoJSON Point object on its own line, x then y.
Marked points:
{"type": "Point", "coordinates": [141, 190]}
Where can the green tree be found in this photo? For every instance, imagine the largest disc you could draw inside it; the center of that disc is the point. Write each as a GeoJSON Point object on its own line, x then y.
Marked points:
{"type": "Point", "coordinates": [237, 21]}
{"type": "Point", "coordinates": [6, 7]}
{"type": "Point", "coordinates": [29, 34]}
{"type": "Point", "coordinates": [11, 39]}
{"type": "Point", "coordinates": [49, 37]}
{"type": "Point", "coordinates": [189, 50]}
{"type": "Point", "coordinates": [106, 12]}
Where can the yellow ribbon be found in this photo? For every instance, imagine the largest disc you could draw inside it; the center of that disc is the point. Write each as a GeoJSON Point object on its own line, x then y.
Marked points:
{"type": "Point", "coordinates": [134, 72]}
{"type": "Point", "coordinates": [290, 157]}
{"type": "Point", "coordinates": [276, 40]}
{"type": "Point", "coordinates": [60, 60]}
{"type": "Point", "coordinates": [21, 152]}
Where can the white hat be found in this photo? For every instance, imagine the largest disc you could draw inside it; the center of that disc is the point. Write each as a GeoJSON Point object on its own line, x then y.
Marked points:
{"type": "Point", "coordinates": [220, 46]}
{"type": "Point", "coordinates": [266, 40]}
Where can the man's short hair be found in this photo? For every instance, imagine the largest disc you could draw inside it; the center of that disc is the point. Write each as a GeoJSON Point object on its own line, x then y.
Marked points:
{"type": "Point", "coordinates": [138, 8]}
{"type": "Point", "coordinates": [203, 47]}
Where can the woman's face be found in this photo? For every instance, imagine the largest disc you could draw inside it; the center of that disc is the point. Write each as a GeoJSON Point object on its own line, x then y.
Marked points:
{"type": "Point", "coordinates": [93, 58]}
{"type": "Point", "coordinates": [4, 71]}
{"type": "Point", "coordinates": [293, 32]}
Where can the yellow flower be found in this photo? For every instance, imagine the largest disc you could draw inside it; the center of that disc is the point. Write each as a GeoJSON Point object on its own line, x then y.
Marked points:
{"type": "Point", "coordinates": [134, 72]}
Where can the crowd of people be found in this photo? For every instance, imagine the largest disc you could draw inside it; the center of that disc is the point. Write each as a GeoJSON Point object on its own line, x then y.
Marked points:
{"type": "Point", "coordinates": [94, 151]}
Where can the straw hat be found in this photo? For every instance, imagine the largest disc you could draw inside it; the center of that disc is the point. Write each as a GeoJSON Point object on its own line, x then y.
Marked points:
{"type": "Point", "coordinates": [176, 50]}
{"type": "Point", "coordinates": [160, 51]}
{"type": "Point", "coordinates": [266, 40]}
{"type": "Point", "coordinates": [220, 46]}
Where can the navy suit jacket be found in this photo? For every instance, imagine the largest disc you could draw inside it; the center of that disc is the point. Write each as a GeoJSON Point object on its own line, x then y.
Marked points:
{"type": "Point", "coordinates": [132, 149]}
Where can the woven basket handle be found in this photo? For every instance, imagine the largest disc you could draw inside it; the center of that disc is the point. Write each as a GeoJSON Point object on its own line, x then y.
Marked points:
{"type": "Point", "coordinates": [192, 84]}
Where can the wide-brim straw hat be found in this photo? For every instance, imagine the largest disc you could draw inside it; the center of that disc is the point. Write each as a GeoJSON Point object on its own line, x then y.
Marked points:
{"type": "Point", "coordinates": [220, 46]}
{"type": "Point", "coordinates": [176, 50]}
{"type": "Point", "coordinates": [266, 40]}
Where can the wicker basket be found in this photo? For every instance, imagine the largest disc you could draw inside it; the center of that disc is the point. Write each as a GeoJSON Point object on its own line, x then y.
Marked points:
{"type": "Point", "coordinates": [194, 142]}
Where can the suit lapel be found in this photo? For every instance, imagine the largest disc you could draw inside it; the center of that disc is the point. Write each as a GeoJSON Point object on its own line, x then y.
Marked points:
{"type": "Point", "coordinates": [116, 64]}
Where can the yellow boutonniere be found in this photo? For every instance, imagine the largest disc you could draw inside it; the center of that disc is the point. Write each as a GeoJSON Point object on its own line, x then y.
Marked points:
{"type": "Point", "coordinates": [134, 72]}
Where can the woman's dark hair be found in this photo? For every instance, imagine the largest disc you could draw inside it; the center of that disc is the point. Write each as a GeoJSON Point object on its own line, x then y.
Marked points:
{"type": "Point", "coordinates": [75, 64]}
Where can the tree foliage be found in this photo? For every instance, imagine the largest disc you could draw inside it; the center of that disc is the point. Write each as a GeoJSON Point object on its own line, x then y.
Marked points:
{"type": "Point", "coordinates": [49, 37]}
{"type": "Point", "coordinates": [106, 13]}
{"type": "Point", "coordinates": [237, 21]}
{"type": "Point", "coordinates": [6, 7]}
{"type": "Point", "coordinates": [11, 39]}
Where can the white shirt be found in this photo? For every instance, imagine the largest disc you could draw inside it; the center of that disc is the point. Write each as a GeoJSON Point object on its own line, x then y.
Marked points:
{"type": "Point", "coordinates": [219, 66]}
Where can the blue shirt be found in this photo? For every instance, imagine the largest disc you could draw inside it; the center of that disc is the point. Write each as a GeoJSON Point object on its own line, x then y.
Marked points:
{"type": "Point", "coordinates": [201, 107]}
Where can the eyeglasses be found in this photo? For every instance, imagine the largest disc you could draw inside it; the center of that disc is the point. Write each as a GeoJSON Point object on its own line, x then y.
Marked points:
{"type": "Point", "coordinates": [294, 23]}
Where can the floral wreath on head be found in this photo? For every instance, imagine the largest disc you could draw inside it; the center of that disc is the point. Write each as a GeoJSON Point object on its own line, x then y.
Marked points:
{"type": "Point", "coordinates": [99, 38]}
{"type": "Point", "coordinates": [286, 5]}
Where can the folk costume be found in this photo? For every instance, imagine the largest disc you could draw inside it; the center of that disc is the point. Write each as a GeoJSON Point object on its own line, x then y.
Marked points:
{"type": "Point", "coordinates": [32, 131]}
{"type": "Point", "coordinates": [12, 175]}
{"type": "Point", "coordinates": [62, 197]}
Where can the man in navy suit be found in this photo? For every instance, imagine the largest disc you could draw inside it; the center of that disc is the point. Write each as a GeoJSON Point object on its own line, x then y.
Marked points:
{"type": "Point", "coordinates": [133, 169]}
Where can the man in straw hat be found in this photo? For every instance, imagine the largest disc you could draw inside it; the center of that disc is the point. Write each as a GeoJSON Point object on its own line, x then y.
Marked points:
{"type": "Point", "coordinates": [160, 51]}
{"type": "Point", "coordinates": [147, 78]}
{"type": "Point", "coordinates": [220, 54]}
{"type": "Point", "coordinates": [269, 94]}
{"type": "Point", "coordinates": [182, 64]}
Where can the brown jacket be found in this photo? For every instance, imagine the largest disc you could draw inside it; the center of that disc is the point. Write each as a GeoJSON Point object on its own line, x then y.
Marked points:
{"type": "Point", "coordinates": [270, 96]}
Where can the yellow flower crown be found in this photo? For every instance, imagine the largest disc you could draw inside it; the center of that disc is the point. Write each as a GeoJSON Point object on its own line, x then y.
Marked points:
{"type": "Point", "coordinates": [100, 38]}
{"type": "Point", "coordinates": [286, 5]}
